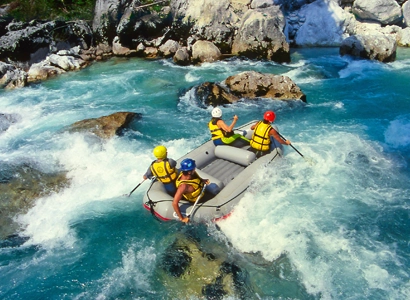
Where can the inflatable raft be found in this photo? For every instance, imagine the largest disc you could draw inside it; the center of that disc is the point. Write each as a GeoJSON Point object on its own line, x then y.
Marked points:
{"type": "Point", "coordinates": [229, 171]}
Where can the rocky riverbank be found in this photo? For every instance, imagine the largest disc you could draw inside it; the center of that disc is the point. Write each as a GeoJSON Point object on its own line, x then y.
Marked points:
{"type": "Point", "coordinates": [196, 31]}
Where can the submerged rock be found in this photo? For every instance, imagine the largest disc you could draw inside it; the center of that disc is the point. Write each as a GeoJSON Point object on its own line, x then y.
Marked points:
{"type": "Point", "coordinates": [20, 186]}
{"type": "Point", "coordinates": [107, 126]}
{"type": "Point", "coordinates": [188, 271]}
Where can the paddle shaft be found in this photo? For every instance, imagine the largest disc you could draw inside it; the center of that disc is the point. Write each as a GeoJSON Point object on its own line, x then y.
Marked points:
{"type": "Point", "coordinates": [197, 199]}
{"type": "Point", "coordinates": [290, 144]}
{"type": "Point", "coordinates": [136, 187]}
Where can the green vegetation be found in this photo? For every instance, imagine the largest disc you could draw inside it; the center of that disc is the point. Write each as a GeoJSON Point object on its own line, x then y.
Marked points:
{"type": "Point", "coordinates": [27, 10]}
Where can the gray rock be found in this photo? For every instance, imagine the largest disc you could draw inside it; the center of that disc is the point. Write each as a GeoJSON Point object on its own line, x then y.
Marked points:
{"type": "Point", "coordinates": [326, 24]}
{"type": "Point", "coordinates": [406, 13]}
{"type": "Point", "coordinates": [20, 186]}
{"type": "Point", "coordinates": [260, 35]}
{"type": "Point", "coordinates": [6, 120]}
{"type": "Point", "coordinates": [384, 11]}
{"type": "Point", "coordinates": [169, 48]}
{"type": "Point", "coordinates": [204, 51]}
{"type": "Point", "coordinates": [403, 38]}
{"type": "Point", "coordinates": [375, 47]}
{"type": "Point", "coordinates": [12, 77]}
{"type": "Point", "coordinates": [253, 84]}
{"type": "Point", "coordinates": [182, 57]}
{"type": "Point", "coordinates": [107, 126]}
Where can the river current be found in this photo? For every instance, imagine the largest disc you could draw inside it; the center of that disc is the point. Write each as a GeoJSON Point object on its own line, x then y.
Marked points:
{"type": "Point", "coordinates": [338, 229]}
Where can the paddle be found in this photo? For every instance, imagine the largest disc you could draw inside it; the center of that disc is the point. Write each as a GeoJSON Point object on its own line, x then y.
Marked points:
{"type": "Point", "coordinates": [197, 199]}
{"type": "Point", "coordinates": [307, 159]}
{"type": "Point", "coordinates": [135, 188]}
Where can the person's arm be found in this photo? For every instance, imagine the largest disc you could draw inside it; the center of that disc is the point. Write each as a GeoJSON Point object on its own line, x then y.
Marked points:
{"type": "Point", "coordinates": [225, 127]}
{"type": "Point", "coordinates": [254, 125]}
{"type": "Point", "coordinates": [148, 174]}
{"type": "Point", "coordinates": [177, 198]}
{"type": "Point", "coordinates": [275, 134]}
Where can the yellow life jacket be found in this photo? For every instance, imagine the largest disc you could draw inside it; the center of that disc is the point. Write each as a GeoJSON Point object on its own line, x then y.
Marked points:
{"type": "Point", "coordinates": [260, 138]}
{"type": "Point", "coordinates": [196, 182]}
{"type": "Point", "coordinates": [216, 132]}
{"type": "Point", "coordinates": [163, 171]}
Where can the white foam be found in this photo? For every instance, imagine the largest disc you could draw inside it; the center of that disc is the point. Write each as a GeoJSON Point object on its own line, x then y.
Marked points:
{"type": "Point", "coordinates": [397, 133]}
{"type": "Point", "coordinates": [306, 213]}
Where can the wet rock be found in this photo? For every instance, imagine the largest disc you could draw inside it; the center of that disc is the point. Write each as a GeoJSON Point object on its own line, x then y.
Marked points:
{"type": "Point", "coordinates": [384, 11]}
{"type": "Point", "coordinates": [20, 186]}
{"type": "Point", "coordinates": [214, 94]}
{"type": "Point", "coordinates": [253, 84]}
{"type": "Point", "coordinates": [189, 272]}
{"type": "Point", "coordinates": [107, 126]}
{"type": "Point", "coordinates": [12, 77]}
{"type": "Point", "coordinates": [176, 260]}
{"type": "Point", "coordinates": [169, 48]}
{"type": "Point", "coordinates": [260, 35]}
{"type": "Point", "coordinates": [376, 47]}
{"type": "Point", "coordinates": [6, 120]}
{"type": "Point", "coordinates": [204, 51]}
{"type": "Point", "coordinates": [182, 57]}
{"type": "Point", "coordinates": [311, 32]}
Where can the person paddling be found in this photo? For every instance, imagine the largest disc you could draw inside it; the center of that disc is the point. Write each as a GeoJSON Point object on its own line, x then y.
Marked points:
{"type": "Point", "coordinates": [263, 131]}
{"type": "Point", "coordinates": [223, 134]}
{"type": "Point", "coordinates": [189, 186]}
{"type": "Point", "coordinates": [164, 169]}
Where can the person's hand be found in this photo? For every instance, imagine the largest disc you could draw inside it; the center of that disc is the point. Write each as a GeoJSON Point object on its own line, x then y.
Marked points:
{"type": "Point", "coordinates": [206, 181]}
{"type": "Point", "coordinates": [145, 177]}
{"type": "Point", "coordinates": [235, 117]}
{"type": "Point", "coordinates": [185, 220]}
{"type": "Point", "coordinates": [287, 142]}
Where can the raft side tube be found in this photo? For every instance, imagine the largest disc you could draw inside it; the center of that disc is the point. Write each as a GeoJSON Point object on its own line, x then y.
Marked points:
{"type": "Point", "coordinates": [235, 155]}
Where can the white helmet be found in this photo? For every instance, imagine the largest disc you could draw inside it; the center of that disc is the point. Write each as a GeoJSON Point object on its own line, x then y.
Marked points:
{"type": "Point", "coordinates": [216, 112]}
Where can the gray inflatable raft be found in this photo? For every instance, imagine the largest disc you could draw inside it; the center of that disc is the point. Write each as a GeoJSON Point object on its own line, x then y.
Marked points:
{"type": "Point", "coordinates": [229, 171]}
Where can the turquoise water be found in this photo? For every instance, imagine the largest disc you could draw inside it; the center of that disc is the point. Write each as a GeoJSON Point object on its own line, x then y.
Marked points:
{"type": "Point", "coordinates": [335, 230]}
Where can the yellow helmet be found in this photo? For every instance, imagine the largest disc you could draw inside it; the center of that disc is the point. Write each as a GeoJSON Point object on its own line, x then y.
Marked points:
{"type": "Point", "coordinates": [160, 151]}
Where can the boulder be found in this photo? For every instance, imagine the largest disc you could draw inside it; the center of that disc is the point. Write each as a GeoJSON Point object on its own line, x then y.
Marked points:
{"type": "Point", "coordinates": [324, 24]}
{"type": "Point", "coordinates": [204, 51]}
{"type": "Point", "coordinates": [20, 186]}
{"type": "Point", "coordinates": [376, 47]}
{"type": "Point", "coordinates": [403, 38]}
{"type": "Point", "coordinates": [384, 11]}
{"type": "Point", "coordinates": [214, 94]}
{"type": "Point", "coordinates": [253, 84]}
{"type": "Point", "coordinates": [190, 272]}
{"type": "Point", "coordinates": [169, 48]}
{"type": "Point", "coordinates": [32, 42]}
{"type": "Point", "coordinates": [12, 77]}
{"type": "Point", "coordinates": [6, 120]}
{"type": "Point", "coordinates": [209, 20]}
{"type": "Point", "coordinates": [107, 126]}
{"type": "Point", "coordinates": [182, 57]}
{"type": "Point", "coordinates": [106, 19]}
{"type": "Point", "coordinates": [119, 50]}
{"type": "Point", "coordinates": [406, 13]}
{"type": "Point", "coordinates": [260, 35]}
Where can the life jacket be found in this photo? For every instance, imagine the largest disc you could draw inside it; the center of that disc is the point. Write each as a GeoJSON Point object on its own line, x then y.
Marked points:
{"type": "Point", "coordinates": [216, 132]}
{"type": "Point", "coordinates": [163, 171]}
{"type": "Point", "coordinates": [196, 182]}
{"type": "Point", "coordinates": [260, 138]}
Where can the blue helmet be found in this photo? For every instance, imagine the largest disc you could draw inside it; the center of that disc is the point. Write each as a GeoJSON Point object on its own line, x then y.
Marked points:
{"type": "Point", "coordinates": [187, 165]}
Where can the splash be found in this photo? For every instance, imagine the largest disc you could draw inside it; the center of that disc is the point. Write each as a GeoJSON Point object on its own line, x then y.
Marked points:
{"type": "Point", "coordinates": [323, 217]}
